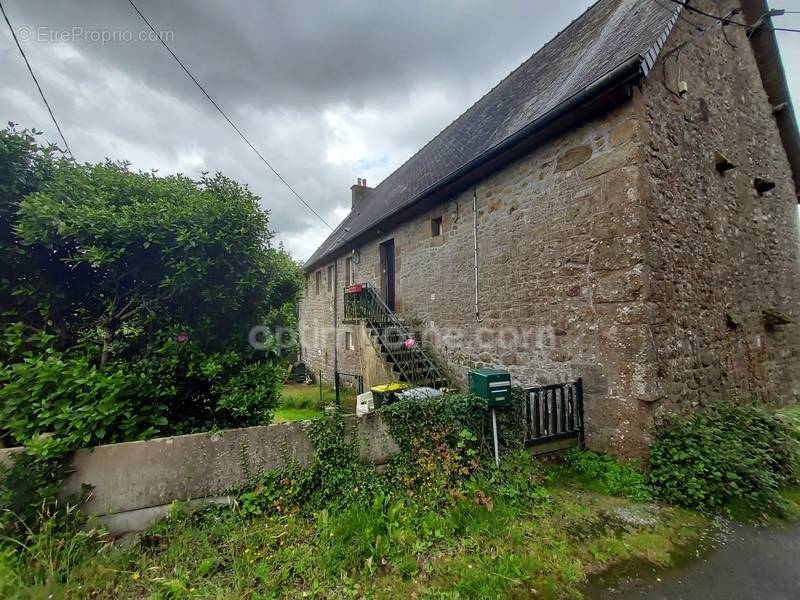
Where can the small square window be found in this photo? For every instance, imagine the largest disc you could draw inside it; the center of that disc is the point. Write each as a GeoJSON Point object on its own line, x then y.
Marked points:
{"type": "Point", "coordinates": [436, 226]}
{"type": "Point", "coordinates": [348, 341]}
{"type": "Point", "coordinates": [330, 278]}
{"type": "Point", "coordinates": [318, 281]}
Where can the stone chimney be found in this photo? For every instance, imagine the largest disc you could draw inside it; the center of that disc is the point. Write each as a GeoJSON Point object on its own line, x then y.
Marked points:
{"type": "Point", "coordinates": [359, 191]}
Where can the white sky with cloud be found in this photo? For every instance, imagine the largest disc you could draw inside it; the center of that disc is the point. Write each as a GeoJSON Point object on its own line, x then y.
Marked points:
{"type": "Point", "coordinates": [327, 93]}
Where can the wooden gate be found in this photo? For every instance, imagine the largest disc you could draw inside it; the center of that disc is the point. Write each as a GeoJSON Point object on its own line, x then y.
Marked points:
{"type": "Point", "coordinates": [554, 412]}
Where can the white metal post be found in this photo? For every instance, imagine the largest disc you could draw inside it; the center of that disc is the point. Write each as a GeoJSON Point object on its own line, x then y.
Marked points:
{"type": "Point", "coordinates": [494, 432]}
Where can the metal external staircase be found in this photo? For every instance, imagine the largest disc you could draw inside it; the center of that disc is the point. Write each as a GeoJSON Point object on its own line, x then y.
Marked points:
{"type": "Point", "coordinates": [390, 337]}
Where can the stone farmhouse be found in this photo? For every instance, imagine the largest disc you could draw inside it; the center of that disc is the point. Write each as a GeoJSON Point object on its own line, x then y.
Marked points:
{"type": "Point", "coordinates": [621, 208]}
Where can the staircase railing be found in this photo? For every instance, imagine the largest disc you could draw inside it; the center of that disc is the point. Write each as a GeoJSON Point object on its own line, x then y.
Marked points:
{"type": "Point", "coordinates": [362, 302]}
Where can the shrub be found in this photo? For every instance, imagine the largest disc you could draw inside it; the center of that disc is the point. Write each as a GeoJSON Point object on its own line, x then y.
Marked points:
{"type": "Point", "coordinates": [445, 455]}
{"type": "Point", "coordinates": [68, 399]}
{"type": "Point", "coordinates": [29, 488]}
{"type": "Point", "coordinates": [126, 300]}
{"type": "Point", "coordinates": [446, 440]}
{"type": "Point", "coordinates": [730, 453]}
{"type": "Point", "coordinates": [609, 476]}
{"type": "Point", "coordinates": [251, 395]}
{"type": "Point", "coordinates": [142, 283]}
{"type": "Point", "coordinates": [430, 421]}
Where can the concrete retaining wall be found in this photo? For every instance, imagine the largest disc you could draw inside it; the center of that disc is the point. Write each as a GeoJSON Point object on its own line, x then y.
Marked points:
{"type": "Point", "coordinates": [135, 482]}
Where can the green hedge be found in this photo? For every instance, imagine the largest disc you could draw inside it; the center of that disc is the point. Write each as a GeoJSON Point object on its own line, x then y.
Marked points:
{"type": "Point", "coordinates": [728, 454]}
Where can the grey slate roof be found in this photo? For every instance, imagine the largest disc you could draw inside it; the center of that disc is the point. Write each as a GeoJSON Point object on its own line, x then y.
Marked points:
{"type": "Point", "coordinates": [605, 36]}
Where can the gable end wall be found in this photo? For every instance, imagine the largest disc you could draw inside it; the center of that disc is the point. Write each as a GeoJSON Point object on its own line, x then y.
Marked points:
{"type": "Point", "coordinates": [716, 250]}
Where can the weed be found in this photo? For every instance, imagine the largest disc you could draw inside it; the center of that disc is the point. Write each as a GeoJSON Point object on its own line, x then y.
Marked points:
{"type": "Point", "coordinates": [606, 475]}
{"type": "Point", "coordinates": [730, 456]}
{"type": "Point", "coordinates": [440, 522]}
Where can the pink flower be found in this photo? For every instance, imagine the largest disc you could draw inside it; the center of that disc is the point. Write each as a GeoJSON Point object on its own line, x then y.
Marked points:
{"type": "Point", "coordinates": [183, 337]}
{"type": "Point", "coordinates": [409, 343]}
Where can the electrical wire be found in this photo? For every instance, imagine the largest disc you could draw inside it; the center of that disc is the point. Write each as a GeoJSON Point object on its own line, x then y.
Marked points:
{"type": "Point", "coordinates": [227, 118]}
{"type": "Point", "coordinates": [35, 80]}
{"type": "Point", "coordinates": [681, 16]}
{"type": "Point", "coordinates": [728, 21]}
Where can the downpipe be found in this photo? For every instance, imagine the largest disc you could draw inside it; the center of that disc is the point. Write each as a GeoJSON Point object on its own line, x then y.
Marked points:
{"type": "Point", "coordinates": [475, 250]}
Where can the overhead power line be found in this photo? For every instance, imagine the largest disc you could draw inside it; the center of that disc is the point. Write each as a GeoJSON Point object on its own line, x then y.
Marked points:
{"type": "Point", "coordinates": [774, 12]}
{"type": "Point", "coordinates": [227, 118]}
{"type": "Point", "coordinates": [35, 80]}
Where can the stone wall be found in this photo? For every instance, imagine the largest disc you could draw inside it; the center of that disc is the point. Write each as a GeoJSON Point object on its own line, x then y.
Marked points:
{"type": "Point", "coordinates": [718, 252]}
{"type": "Point", "coordinates": [134, 483]}
{"type": "Point", "coordinates": [615, 253]}
{"type": "Point", "coordinates": [317, 331]}
{"type": "Point", "coordinates": [562, 275]}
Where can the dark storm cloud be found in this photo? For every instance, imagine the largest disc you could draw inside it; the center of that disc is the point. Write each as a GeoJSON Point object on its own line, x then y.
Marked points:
{"type": "Point", "coordinates": [328, 91]}
{"type": "Point", "coordinates": [314, 53]}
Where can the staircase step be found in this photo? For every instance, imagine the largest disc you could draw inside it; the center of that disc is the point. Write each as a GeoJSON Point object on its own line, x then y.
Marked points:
{"type": "Point", "coordinates": [388, 334]}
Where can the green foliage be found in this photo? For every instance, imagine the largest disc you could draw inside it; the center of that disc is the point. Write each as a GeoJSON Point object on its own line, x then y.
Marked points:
{"type": "Point", "coordinates": [252, 394]}
{"type": "Point", "coordinates": [729, 453]}
{"type": "Point", "coordinates": [337, 528]}
{"type": "Point", "coordinates": [435, 420]}
{"type": "Point", "coordinates": [126, 302]}
{"type": "Point", "coordinates": [43, 560]}
{"type": "Point", "coordinates": [74, 402]}
{"type": "Point", "coordinates": [442, 460]}
{"type": "Point", "coordinates": [28, 276]}
{"type": "Point", "coordinates": [387, 546]}
{"type": "Point", "coordinates": [606, 475]}
{"type": "Point", "coordinates": [128, 298]}
{"type": "Point", "coordinates": [335, 479]}
{"type": "Point", "coordinates": [28, 489]}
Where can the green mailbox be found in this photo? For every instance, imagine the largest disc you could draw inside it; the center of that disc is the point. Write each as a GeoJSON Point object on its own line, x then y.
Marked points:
{"type": "Point", "coordinates": [492, 385]}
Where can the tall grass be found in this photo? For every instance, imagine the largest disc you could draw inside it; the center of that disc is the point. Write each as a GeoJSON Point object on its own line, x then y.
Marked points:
{"type": "Point", "coordinates": [44, 560]}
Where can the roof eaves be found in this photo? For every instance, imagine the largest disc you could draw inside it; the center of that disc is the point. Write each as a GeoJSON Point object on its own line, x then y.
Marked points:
{"type": "Point", "coordinates": [773, 76]}
{"type": "Point", "coordinates": [619, 75]}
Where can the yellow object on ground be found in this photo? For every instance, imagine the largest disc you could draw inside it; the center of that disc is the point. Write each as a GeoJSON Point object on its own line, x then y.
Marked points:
{"type": "Point", "coordinates": [388, 388]}
{"type": "Point", "coordinates": [387, 392]}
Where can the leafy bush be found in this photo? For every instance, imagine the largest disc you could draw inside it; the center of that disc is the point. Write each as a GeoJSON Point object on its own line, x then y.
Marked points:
{"type": "Point", "coordinates": [28, 488]}
{"type": "Point", "coordinates": [607, 475]}
{"type": "Point", "coordinates": [73, 402]}
{"type": "Point", "coordinates": [252, 394]}
{"type": "Point", "coordinates": [335, 479]}
{"type": "Point", "coordinates": [416, 421]}
{"type": "Point", "coordinates": [142, 283]}
{"type": "Point", "coordinates": [442, 459]}
{"type": "Point", "coordinates": [446, 440]}
{"type": "Point", "coordinates": [126, 300]}
{"type": "Point", "coordinates": [729, 453]}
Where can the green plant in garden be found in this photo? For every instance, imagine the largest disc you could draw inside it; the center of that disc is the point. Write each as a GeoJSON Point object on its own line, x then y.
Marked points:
{"type": "Point", "coordinates": [730, 453]}
{"type": "Point", "coordinates": [603, 473]}
{"type": "Point", "coordinates": [43, 559]}
{"type": "Point", "coordinates": [344, 530]}
{"type": "Point", "coordinates": [161, 278]}
{"type": "Point", "coordinates": [249, 396]}
{"type": "Point", "coordinates": [126, 303]}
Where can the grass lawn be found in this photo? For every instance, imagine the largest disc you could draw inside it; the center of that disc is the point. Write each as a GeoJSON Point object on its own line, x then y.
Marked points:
{"type": "Point", "coordinates": [284, 415]}
{"type": "Point", "coordinates": [396, 548]}
{"type": "Point", "coordinates": [300, 402]}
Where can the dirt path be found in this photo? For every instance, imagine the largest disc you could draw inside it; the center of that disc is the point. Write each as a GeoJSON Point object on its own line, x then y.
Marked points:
{"type": "Point", "coordinates": [750, 563]}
